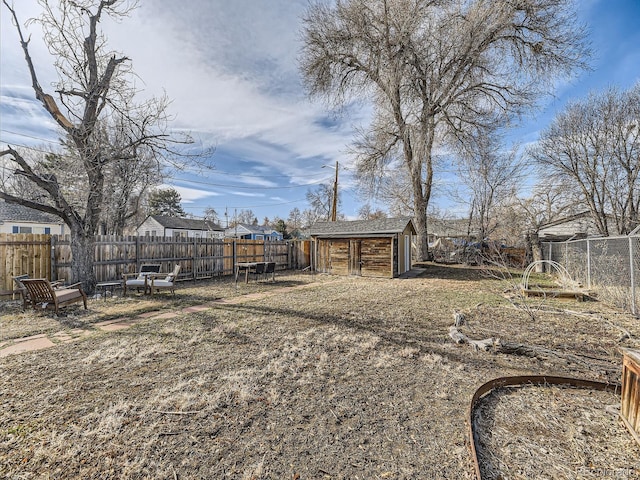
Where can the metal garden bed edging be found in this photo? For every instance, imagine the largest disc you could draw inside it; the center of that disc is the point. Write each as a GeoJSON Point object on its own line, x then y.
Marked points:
{"type": "Point", "coordinates": [524, 380]}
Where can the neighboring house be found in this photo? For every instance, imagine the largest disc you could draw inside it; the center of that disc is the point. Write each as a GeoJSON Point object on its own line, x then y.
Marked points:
{"type": "Point", "coordinates": [253, 232]}
{"type": "Point", "coordinates": [574, 227]}
{"type": "Point", "coordinates": [16, 218]}
{"type": "Point", "coordinates": [371, 248]}
{"type": "Point", "coordinates": [164, 226]}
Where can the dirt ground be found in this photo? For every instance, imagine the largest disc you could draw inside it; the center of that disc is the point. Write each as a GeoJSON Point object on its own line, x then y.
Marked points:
{"type": "Point", "coordinates": [345, 378]}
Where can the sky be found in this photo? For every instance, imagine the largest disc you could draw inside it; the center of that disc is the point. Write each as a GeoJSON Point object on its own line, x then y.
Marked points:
{"type": "Point", "coordinates": [230, 69]}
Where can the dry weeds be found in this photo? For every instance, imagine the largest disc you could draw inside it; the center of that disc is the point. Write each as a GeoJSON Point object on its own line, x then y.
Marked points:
{"type": "Point", "coordinates": [348, 378]}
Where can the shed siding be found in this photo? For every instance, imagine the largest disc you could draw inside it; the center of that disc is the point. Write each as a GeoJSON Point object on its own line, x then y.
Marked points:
{"type": "Point", "coordinates": [339, 257]}
{"type": "Point", "coordinates": [376, 257]}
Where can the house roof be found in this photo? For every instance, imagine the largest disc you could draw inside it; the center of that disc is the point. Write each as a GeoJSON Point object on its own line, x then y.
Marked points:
{"type": "Point", "coordinates": [185, 223]}
{"type": "Point", "coordinates": [12, 212]}
{"type": "Point", "coordinates": [379, 226]}
{"type": "Point", "coordinates": [569, 219]}
{"type": "Point", "coordinates": [259, 229]}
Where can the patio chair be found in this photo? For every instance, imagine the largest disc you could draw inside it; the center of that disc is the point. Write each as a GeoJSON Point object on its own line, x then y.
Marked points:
{"type": "Point", "coordinates": [42, 293]}
{"type": "Point", "coordinates": [156, 281]}
{"type": "Point", "coordinates": [259, 269]}
{"type": "Point", "coordinates": [24, 293]}
{"type": "Point", "coordinates": [139, 280]}
{"type": "Point", "coordinates": [270, 268]}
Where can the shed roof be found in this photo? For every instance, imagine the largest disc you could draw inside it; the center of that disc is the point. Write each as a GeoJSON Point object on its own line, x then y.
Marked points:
{"type": "Point", "coordinates": [387, 226]}
{"type": "Point", "coordinates": [12, 212]}
{"type": "Point", "coordinates": [185, 223]}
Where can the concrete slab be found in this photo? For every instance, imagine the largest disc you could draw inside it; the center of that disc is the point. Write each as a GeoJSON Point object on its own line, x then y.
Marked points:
{"type": "Point", "coordinates": [62, 337]}
{"type": "Point", "coordinates": [27, 346]}
{"type": "Point", "coordinates": [113, 327]}
{"type": "Point", "coordinates": [80, 332]}
{"type": "Point", "coordinates": [32, 337]}
{"type": "Point", "coordinates": [109, 322]}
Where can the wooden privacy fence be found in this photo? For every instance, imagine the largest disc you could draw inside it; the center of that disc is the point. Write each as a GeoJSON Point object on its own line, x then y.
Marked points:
{"type": "Point", "coordinates": [24, 253]}
{"type": "Point", "coordinates": [50, 256]}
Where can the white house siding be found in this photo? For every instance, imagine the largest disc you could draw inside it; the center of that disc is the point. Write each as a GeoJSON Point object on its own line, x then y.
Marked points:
{"type": "Point", "coordinates": [580, 226]}
{"type": "Point", "coordinates": [11, 226]}
{"type": "Point", "coordinates": [151, 228]}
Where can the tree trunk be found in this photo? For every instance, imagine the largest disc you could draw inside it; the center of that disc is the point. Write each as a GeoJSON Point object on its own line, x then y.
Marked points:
{"type": "Point", "coordinates": [421, 187]}
{"type": "Point", "coordinates": [422, 242]}
{"type": "Point", "coordinates": [533, 243]}
{"type": "Point", "coordinates": [82, 251]}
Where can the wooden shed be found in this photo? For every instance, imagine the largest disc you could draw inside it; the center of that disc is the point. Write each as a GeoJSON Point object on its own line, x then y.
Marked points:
{"type": "Point", "coordinates": [370, 248]}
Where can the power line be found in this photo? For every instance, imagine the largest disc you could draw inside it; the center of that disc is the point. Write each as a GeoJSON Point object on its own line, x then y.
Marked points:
{"type": "Point", "coordinates": [31, 136]}
{"type": "Point", "coordinates": [25, 146]}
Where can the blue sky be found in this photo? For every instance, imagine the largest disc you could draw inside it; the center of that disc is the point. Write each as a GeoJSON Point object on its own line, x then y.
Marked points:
{"type": "Point", "coordinates": [230, 68]}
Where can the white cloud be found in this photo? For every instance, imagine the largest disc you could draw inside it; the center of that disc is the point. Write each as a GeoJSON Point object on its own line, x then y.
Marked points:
{"type": "Point", "coordinates": [190, 195]}
{"type": "Point", "coordinates": [230, 69]}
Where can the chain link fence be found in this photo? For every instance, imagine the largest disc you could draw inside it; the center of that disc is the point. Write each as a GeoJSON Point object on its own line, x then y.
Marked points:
{"type": "Point", "coordinates": [609, 266]}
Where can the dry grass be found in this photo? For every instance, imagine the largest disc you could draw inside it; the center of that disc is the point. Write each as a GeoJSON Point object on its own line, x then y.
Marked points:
{"type": "Point", "coordinates": [348, 378]}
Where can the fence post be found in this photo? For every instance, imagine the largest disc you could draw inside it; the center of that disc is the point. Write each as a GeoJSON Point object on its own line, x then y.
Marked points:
{"type": "Point", "coordinates": [588, 264]}
{"type": "Point", "coordinates": [137, 253]}
{"type": "Point", "coordinates": [633, 277]}
{"type": "Point", "coordinates": [194, 267]}
{"type": "Point", "coordinates": [52, 252]}
{"type": "Point", "coordinates": [290, 251]}
{"type": "Point", "coordinates": [234, 250]}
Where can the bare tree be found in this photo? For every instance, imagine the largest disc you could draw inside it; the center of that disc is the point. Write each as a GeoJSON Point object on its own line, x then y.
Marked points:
{"type": "Point", "coordinates": [246, 217]}
{"type": "Point", "coordinates": [211, 215]}
{"type": "Point", "coordinates": [593, 146]}
{"type": "Point", "coordinates": [436, 71]}
{"type": "Point", "coordinates": [523, 216]}
{"type": "Point", "coordinates": [367, 213]}
{"type": "Point", "coordinates": [295, 222]}
{"type": "Point", "coordinates": [491, 176]}
{"type": "Point", "coordinates": [94, 84]}
{"type": "Point", "coordinates": [320, 200]}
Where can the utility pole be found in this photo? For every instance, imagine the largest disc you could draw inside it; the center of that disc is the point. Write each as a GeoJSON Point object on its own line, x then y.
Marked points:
{"type": "Point", "coordinates": [334, 206]}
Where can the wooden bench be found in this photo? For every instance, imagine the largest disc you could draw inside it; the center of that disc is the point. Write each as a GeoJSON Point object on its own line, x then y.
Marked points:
{"type": "Point", "coordinates": [42, 293]}
{"type": "Point", "coordinates": [24, 293]}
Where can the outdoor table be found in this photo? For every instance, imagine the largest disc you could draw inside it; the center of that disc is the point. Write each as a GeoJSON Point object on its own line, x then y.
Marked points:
{"type": "Point", "coordinates": [247, 267]}
{"type": "Point", "coordinates": [108, 286]}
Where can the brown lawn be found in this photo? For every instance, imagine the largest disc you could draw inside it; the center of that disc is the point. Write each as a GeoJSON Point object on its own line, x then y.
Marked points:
{"type": "Point", "coordinates": [313, 377]}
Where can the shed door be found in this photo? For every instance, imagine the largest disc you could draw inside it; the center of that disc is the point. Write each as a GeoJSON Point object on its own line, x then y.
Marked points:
{"type": "Point", "coordinates": [355, 257]}
{"type": "Point", "coordinates": [407, 254]}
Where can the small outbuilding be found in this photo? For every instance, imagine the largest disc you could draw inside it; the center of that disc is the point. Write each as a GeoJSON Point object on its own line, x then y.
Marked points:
{"type": "Point", "coordinates": [369, 248]}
